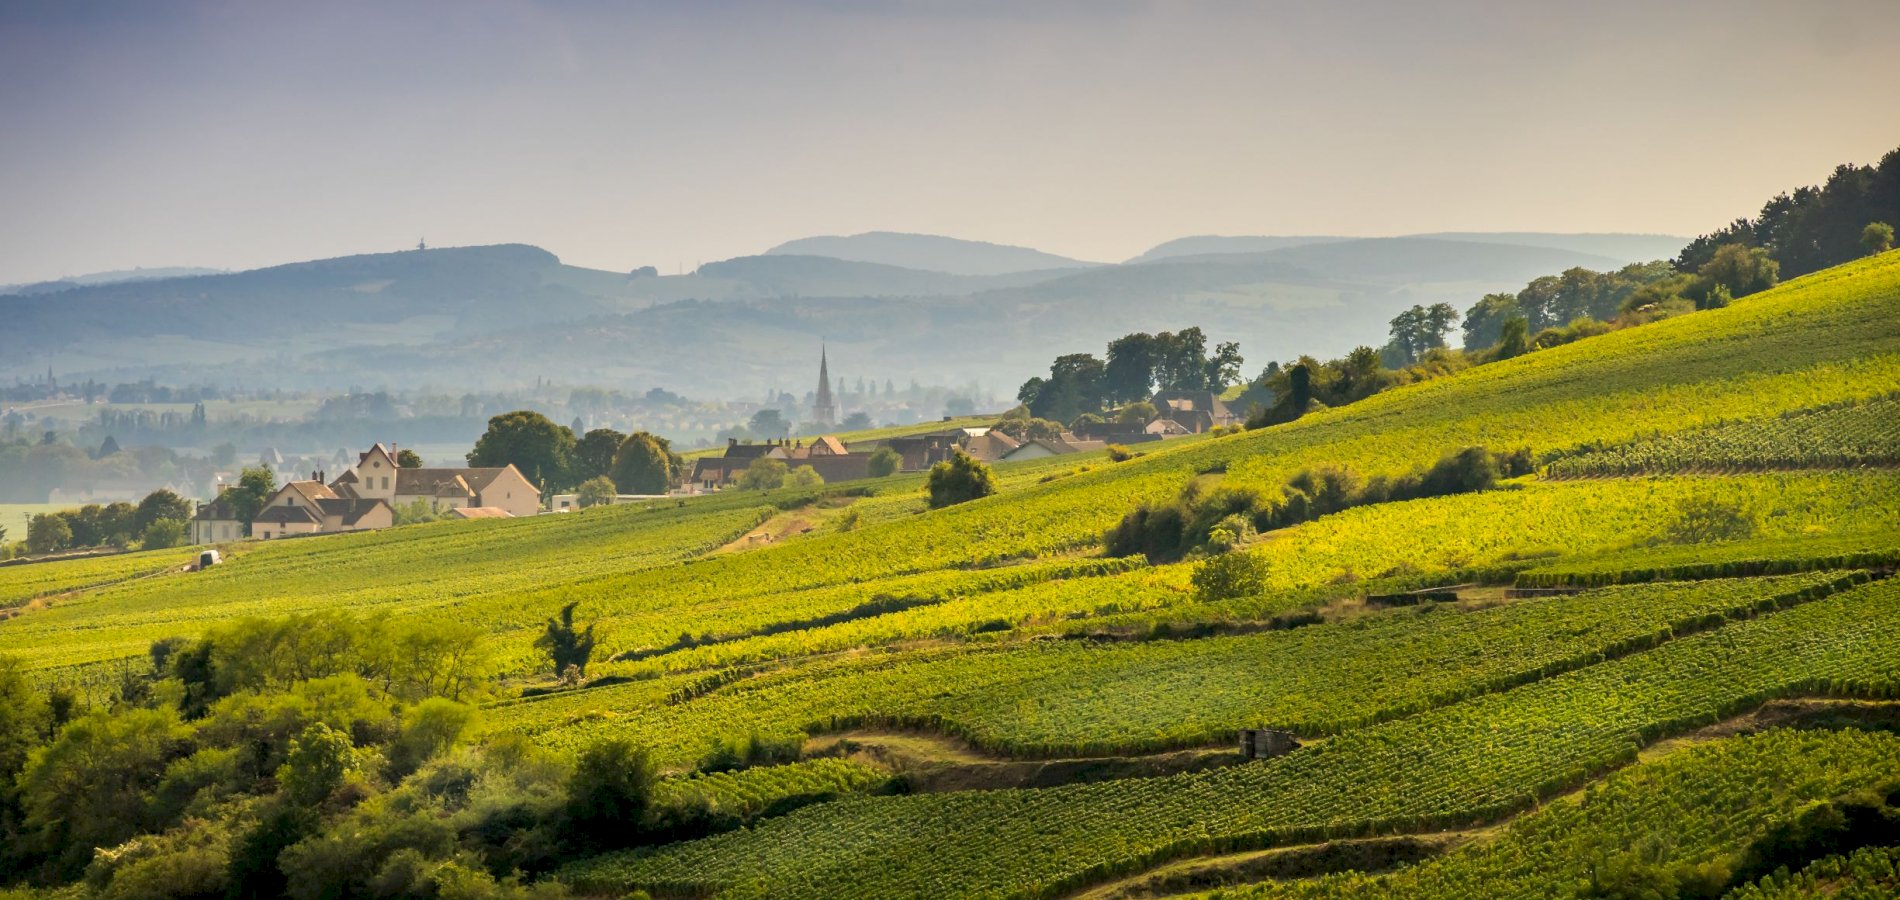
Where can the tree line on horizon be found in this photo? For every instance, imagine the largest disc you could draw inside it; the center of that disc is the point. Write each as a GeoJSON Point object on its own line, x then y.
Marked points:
{"type": "Point", "coordinates": [1796, 233]}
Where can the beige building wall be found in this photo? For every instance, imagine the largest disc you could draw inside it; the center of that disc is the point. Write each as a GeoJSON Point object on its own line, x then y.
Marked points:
{"type": "Point", "coordinates": [513, 492]}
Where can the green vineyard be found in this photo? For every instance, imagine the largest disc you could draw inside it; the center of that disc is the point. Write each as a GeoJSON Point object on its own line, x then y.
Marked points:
{"type": "Point", "coordinates": [1641, 670]}
{"type": "Point", "coordinates": [1462, 765]}
{"type": "Point", "coordinates": [1860, 434]}
{"type": "Point", "coordinates": [1675, 822]}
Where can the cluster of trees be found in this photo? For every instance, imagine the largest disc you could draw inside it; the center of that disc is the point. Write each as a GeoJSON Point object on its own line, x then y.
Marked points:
{"type": "Point", "coordinates": [1418, 330]}
{"type": "Point", "coordinates": [1556, 300]}
{"type": "Point", "coordinates": [1136, 365]}
{"type": "Point", "coordinates": [156, 522]}
{"type": "Point", "coordinates": [319, 756]}
{"type": "Point", "coordinates": [1814, 227]}
{"type": "Point", "coordinates": [552, 457]}
{"type": "Point", "coordinates": [1207, 518]}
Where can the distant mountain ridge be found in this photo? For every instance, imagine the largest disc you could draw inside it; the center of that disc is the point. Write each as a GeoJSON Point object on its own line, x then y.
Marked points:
{"type": "Point", "coordinates": [114, 277]}
{"type": "Point", "coordinates": [928, 252]}
{"type": "Point", "coordinates": [1621, 248]}
{"type": "Point", "coordinates": [506, 315]}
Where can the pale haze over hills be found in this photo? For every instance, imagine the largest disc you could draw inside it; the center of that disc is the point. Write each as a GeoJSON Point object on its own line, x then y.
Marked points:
{"type": "Point", "coordinates": [929, 252]}
{"type": "Point", "coordinates": [484, 316]}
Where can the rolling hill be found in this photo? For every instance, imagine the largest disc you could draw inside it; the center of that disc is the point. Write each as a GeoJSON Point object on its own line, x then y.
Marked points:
{"type": "Point", "coordinates": [928, 252]}
{"type": "Point", "coordinates": [900, 701]}
{"type": "Point", "coordinates": [487, 316]}
{"type": "Point", "coordinates": [1621, 248]}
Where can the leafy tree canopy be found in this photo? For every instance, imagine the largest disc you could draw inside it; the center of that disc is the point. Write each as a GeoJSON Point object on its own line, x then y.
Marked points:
{"type": "Point", "coordinates": [644, 464]}
{"type": "Point", "coordinates": [529, 441]}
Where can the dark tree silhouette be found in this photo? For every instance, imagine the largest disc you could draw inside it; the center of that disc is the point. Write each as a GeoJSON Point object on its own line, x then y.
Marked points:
{"type": "Point", "coordinates": [564, 645]}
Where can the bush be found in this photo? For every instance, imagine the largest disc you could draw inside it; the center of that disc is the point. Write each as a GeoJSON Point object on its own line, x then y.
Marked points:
{"type": "Point", "coordinates": [415, 512]}
{"type": "Point", "coordinates": [1230, 532]}
{"type": "Point", "coordinates": [960, 479]}
{"type": "Point", "coordinates": [1119, 453]}
{"type": "Point", "coordinates": [428, 729]}
{"type": "Point", "coordinates": [804, 477]}
{"type": "Point", "coordinates": [320, 758]}
{"type": "Point", "coordinates": [596, 491]}
{"type": "Point", "coordinates": [162, 534]}
{"type": "Point", "coordinates": [1230, 576]}
{"type": "Point", "coordinates": [609, 792]}
{"type": "Point", "coordinates": [885, 462]}
{"type": "Point", "coordinates": [764, 474]}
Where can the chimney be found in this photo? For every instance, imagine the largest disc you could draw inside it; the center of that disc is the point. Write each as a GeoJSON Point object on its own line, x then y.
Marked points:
{"type": "Point", "coordinates": [732, 442]}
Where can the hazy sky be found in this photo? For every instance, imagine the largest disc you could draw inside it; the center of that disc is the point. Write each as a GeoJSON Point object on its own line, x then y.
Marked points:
{"type": "Point", "coordinates": [238, 134]}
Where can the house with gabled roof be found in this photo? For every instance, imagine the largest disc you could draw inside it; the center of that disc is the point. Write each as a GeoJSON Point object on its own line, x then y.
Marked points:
{"type": "Point", "coordinates": [368, 494]}
{"type": "Point", "coordinates": [378, 476]}
{"type": "Point", "coordinates": [1197, 411]}
{"type": "Point", "coordinates": [312, 507]}
{"type": "Point", "coordinates": [826, 455]}
{"type": "Point", "coordinates": [216, 521]}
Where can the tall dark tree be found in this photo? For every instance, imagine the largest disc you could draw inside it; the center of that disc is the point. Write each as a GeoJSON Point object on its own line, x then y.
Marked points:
{"type": "Point", "coordinates": [1484, 321]}
{"type": "Point", "coordinates": [1300, 386]}
{"type": "Point", "coordinates": [594, 453]}
{"type": "Point", "coordinates": [1223, 368]}
{"type": "Point", "coordinates": [1422, 328]}
{"type": "Point", "coordinates": [1181, 359]}
{"type": "Point", "coordinates": [254, 487]}
{"type": "Point", "coordinates": [1129, 374]}
{"type": "Point", "coordinates": [530, 442]}
{"type": "Point", "coordinates": [644, 464]}
{"type": "Point", "coordinates": [565, 645]}
{"type": "Point", "coordinates": [1074, 387]}
{"type": "Point", "coordinates": [408, 459]}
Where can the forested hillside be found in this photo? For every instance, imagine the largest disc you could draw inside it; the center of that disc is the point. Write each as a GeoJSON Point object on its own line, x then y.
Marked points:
{"type": "Point", "coordinates": [1608, 617]}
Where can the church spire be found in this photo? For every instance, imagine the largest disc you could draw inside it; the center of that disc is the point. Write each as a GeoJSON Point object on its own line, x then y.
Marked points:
{"type": "Point", "coordinates": [824, 410]}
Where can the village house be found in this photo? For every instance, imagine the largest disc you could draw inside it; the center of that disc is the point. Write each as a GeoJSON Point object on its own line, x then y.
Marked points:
{"type": "Point", "coordinates": [825, 455]}
{"type": "Point", "coordinates": [312, 507]}
{"type": "Point", "coordinates": [377, 476]}
{"type": "Point", "coordinates": [1196, 411]}
{"type": "Point", "coordinates": [1121, 432]}
{"type": "Point", "coordinates": [367, 496]}
{"type": "Point", "coordinates": [1060, 445]}
{"type": "Point", "coordinates": [216, 521]}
